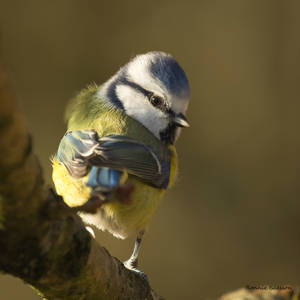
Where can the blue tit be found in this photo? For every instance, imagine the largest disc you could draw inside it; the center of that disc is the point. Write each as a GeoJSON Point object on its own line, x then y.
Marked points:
{"type": "Point", "coordinates": [120, 141]}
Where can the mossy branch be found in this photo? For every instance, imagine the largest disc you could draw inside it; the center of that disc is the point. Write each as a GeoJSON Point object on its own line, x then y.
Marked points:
{"type": "Point", "coordinates": [41, 240]}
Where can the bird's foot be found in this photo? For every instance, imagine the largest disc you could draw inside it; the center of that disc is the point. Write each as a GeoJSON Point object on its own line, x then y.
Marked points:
{"type": "Point", "coordinates": [130, 265]}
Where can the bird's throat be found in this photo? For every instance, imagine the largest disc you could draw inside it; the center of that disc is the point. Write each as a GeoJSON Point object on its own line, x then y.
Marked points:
{"type": "Point", "coordinates": [169, 134]}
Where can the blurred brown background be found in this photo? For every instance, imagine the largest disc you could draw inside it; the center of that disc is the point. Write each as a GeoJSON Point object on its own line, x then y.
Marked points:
{"type": "Point", "coordinates": [233, 217]}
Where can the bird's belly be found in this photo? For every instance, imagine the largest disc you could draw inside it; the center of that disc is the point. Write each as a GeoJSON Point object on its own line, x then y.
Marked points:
{"type": "Point", "coordinates": [119, 218]}
{"type": "Point", "coordinates": [124, 219]}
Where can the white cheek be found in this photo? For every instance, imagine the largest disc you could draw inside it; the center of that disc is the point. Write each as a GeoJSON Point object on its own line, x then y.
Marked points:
{"type": "Point", "coordinates": [139, 108]}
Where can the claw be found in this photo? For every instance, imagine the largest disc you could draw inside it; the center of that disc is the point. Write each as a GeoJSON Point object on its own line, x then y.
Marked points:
{"type": "Point", "coordinates": [128, 264]}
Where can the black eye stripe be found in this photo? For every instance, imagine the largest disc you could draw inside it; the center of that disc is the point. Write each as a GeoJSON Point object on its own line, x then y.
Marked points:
{"type": "Point", "coordinates": [136, 87]}
{"type": "Point", "coordinates": [148, 94]}
{"type": "Point", "coordinates": [156, 100]}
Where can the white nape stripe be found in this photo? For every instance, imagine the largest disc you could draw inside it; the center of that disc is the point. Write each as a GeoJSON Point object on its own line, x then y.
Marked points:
{"type": "Point", "coordinates": [138, 71]}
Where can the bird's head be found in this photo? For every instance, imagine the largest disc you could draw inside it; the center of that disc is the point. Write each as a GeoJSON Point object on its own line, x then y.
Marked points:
{"type": "Point", "coordinates": [154, 90]}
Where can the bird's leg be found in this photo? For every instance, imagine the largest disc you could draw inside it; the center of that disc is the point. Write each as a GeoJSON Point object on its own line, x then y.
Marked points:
{"type": "Point", "coordinates": [132, 262]}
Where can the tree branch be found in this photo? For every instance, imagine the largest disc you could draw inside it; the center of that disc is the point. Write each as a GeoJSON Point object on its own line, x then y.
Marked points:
{"type": "Point", "coordinates": [41, 240]}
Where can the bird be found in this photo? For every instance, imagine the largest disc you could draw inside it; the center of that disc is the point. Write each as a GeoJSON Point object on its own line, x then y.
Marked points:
{"type": "Point", "coordinates": [119, 147]}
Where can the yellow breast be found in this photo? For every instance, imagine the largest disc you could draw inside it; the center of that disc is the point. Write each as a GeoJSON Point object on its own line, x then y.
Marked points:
{"type": "Point", "coordinates": [120, 219]}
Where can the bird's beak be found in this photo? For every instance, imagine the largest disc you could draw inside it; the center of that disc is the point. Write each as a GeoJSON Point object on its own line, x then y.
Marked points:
{"type": "Point", "coordinates": [181, 121]}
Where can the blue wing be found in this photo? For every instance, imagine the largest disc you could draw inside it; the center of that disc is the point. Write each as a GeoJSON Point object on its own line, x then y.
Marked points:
{"type": "Point", "coordinates": [104, 179]}
{"type": "Point", "coordinates": [107, 158]}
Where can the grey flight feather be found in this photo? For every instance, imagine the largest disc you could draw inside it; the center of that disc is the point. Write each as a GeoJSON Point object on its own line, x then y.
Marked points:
{"type": "Point", "coordinates": [80, 150]}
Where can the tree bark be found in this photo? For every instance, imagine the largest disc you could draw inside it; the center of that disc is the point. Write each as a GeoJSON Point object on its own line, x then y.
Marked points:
{"type": "Point", "coordinates": [42, 241]}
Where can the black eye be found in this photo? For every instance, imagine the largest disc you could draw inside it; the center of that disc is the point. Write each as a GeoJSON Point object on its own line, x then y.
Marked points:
{"type": "Point", "coordinates": [155, 100]}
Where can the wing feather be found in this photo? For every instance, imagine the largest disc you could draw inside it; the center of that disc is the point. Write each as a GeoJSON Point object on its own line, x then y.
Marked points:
{"type": "Point", "coordinates": [80, 150]}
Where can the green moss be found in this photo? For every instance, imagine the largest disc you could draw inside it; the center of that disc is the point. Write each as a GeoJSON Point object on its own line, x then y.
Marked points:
{"type": "Point", "coordinates": [72, 263]}
{"type": "Point", "coordinates": [22, 257]}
